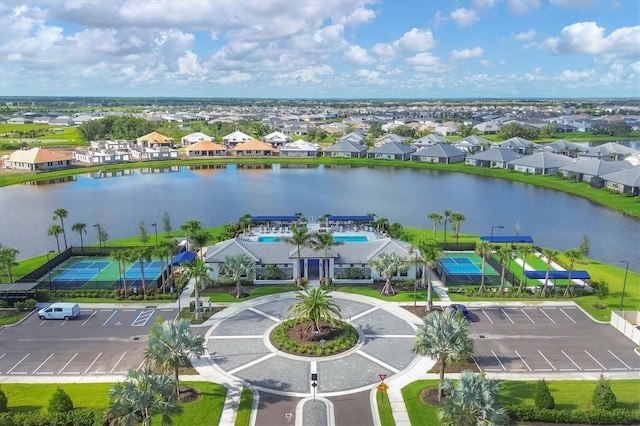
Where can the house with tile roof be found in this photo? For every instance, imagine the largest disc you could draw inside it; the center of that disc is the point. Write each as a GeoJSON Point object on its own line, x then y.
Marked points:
{"type": "Point", "coordinates": [300, 148]}
{"type": "Point", "coordinates": [234, 138]}
{"type": "Point", "coordinates": [585, 170]}
{"type": "Point", "coordinates": [391, 151]}
{"type": "Point", "coordinates": [516, 144]}
{"type": "Point", "coordinates": [252, 148]}
{"type": "Point", "coordinates": [492, 158]}
{"type": "Point", "coordinates": [37, 160]}
{"type": "Point", "coordinates": [610, 151]}
{"type": "Point", "coordinates": [564, 147]}
{"type": "Point", "coordinates": [440, 153]}
{"type": "Point", "coordinates": [345, 149]}
{"type": "Point", "coordinates": [540, 163]}
{"type": "Point", "coordinates": [625, 181]}
{"type": "Point", "coordinates": [428, 140]}
{"type": "Point", "coordinates": [391, 137]}
{"type": "Point", "coordinates": [154, 139]}
{"type": "Point", "coordinates": [206, 149]}
{"type": "Point", "coordinates": [472, 144]}
{"type": "Point", "coordinates": [195, 137]}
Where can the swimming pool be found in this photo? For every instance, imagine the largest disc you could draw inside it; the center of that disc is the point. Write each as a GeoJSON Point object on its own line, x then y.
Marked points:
{"type": "Point", "coordinates": [345, 238]}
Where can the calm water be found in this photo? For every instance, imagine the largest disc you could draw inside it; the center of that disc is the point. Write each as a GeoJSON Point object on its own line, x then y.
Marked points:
{"type": "Point", "coordinates": [221, 195]}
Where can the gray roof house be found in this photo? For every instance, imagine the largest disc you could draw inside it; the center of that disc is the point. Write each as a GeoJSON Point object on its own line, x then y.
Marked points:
{"type": "Point", "coordinates": [625, 181]}
{"type": "Point", "coordinates": [194, 138]}
{"type": "Point", "coordinates": [391, 137]}
{"type": "Point", "coordinates": [429, 140]}
{"type": "Point", "coordinates": [391, 151]}
{"type": "Point", "coordinates": [488, 127]}
{"type": "Point", "coordinates": [516, 144]}
{"type": "Point", "coordinates": [564, 147]}
{"type": "Point", "coordinates": [585, 170]}
{"type": "Point", "coordinates": [233, 139]}
{"type": "Point", "coordinates": [440, 153]}
{"type": "Point", "coordinates": [540, 163]}
{"type": "Point", "coordinates": [355, 136]}
{"type": "Point", "coordinates": [472, 143]}
{"type": "Point", "coordinates": [345, 149]}
{"type": "Point", "coordinates": [610, 151]}
{"type": "Point", "coordinates": [493, 158]}
{"type": "Point", "coordinates": [300, 148]}
{"type": "Point", "coordinates": [277, 139]}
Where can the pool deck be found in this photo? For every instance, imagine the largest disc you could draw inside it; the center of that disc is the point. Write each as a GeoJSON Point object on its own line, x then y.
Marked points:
{"type": "Point", "coordinates": [257, 232]}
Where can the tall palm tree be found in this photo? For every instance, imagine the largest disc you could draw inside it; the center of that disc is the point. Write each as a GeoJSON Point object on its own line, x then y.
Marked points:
{"type": "Point", "coordinates": [387, 265]}
{"type": "Point", "coordinates": [142, 395]}
{"type": "Point", "coordinates": [171, 345]}
{"type": "Point", "coordinates": [236, 267]}
{"type": "Point", "coordinates": [525, 251]}
{"type": "Point", "coordinates": [61, 213]}
{"type": "Point", "coordinates": [200, 239]}
{"type": "Point", "coordinates": [315, 305]}
{"type": "Point", "coordinates": [444, 337]}
{"type": "Point", "coordinates": [436, 218]}
{"type": "Point", "coordinates": [551, 255]}
{"type": "Point", "coordinates": [456, 220]}
{"type": "Point", "coordinates": [326, 242]}
{"type": "Point", "coordinates": [473, 401]}
{"type": "Point", "coordinates": [163, 252]}
{"type": "Point", "coordinates": [483, 249]}
{"type": "Point", "coordinates": [122, 257]}
{"type": "Point", "coordinates": [428, 252]}
{"type": "Point", "coordinates": [8, 260]}
{"type": "Point", "coordinates": [573, 255]}
{"type": "Point", "coordinates": [447, 214]}
{"type": "Point", "coordinates": [300, 237]}
{"type": "Point", "coordinates": [199, 272]}
{"type": "Point", "coordinates": [55, 230]}
{"type": "Point", "coordinates": [244, 223]}
{"type": "Point", "coordinates": [80, 228]}
{"type": "Point", "coordinates": [506, 255]}
{"type": "Point", "coordinates": [142, 255]}
{"type": "Point", "coordinates": [189, 227]}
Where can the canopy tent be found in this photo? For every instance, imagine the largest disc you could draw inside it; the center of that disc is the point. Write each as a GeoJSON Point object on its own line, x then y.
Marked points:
{"type": "Point", "coordinates": [184, 257]}
{"type": "Point", "coordinates": [559, 275]}
{"type": "Point", "coordinates": [508, 239]}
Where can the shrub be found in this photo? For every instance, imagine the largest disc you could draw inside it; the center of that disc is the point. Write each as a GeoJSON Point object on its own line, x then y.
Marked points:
{"type": "Point", "coordinates": [60, 402]}
{"type": "Point", "coordinates": [601, 289]}
{"type": "Point", "coordinates": [524, 413]}
{"type": "Point", "coordinates": [3, 401]}
{"type": "Point", "coordinates": [543, 397]}
{"type": "Point", "coordinates": [603, 396]}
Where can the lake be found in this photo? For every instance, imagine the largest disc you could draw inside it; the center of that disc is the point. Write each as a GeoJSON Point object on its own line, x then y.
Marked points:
{"type": "Point", "coordinates": [119, 201]}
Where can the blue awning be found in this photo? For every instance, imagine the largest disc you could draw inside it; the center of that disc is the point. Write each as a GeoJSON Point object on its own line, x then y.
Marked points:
{"type": "Point", "coordinates": [508, 239]}
{"type": "Point", "coordinates": [184, 257]}
{"type": "Point", "coordinates": [540, 275]}
{"type": "Point", "coordinates": [350, 219]}
{"type": "Point", "coordinates": [274, 218]}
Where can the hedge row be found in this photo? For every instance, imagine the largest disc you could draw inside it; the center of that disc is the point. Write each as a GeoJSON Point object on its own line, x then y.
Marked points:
{"type": "Point", "coordinates": [77, 417]}
{"type": "Point", "coordinates": [617, 416]}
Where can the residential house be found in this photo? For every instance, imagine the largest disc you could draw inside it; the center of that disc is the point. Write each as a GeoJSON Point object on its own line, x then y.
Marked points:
{"type": "Point", "coordinates": [355, 136]}
{"type": "Point", "coordinates": [233, 139]}
{"type": "Point", "coordinates": [516, 144]}
{"type": "Point", "coordinates": [101, 157]}
{"type": "Point", "coordinates": [20, 120]}
{"type": "Point", "coordinates": [391, 137]}
{"type": "Point", "coordinates": [154, 140]}
{"type": "Point", "coordinates": [488, 127]}
{"type": "Point", "coordinates": [195, 137]}
{"type": "Point", "coordinates": [440, 153]}
{"type": "Point", "coordinates": [564, 147]}
{"type": "Point", "coordinates": [492, 158]}
{"type": "Point", "coordinates": [611, 151]}
{"type": "Point", "coordinates": [584, 171]}
{"type": "Point", "coordinates": [625, 181]}
{"type": "Point", "coordinates": [540, 163]}
{"type": "Point", "coordinates": [206, 149]}
{"type": "Point", "coordinates": [154, 153]}
{"type": "Point", "coordinates": [472, 144]}
{"type": "Point", "coordinates": [277, 139]}
{"type": "Point", "coordinates": [429, 140]}
{"type": "Point", "coordinates": [37, 160]}
{"type": "Point", "coordinates": [252, 148]}
{"type": "Point", "coordinates": [335, 128]}
{"type": "Point", "coordinates": [345, 149]}
{"type": "Point", "coordinates": [300, 148]}
{"type": "Point", "coordinates": [391, 151]}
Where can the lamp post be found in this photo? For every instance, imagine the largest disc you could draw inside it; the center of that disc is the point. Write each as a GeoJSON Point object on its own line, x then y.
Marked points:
{"type": "Point", "coordinates": [492, 228]}
{"type": "Point", "coordinates": [97, 225]}
{"type": "Point", "coordinates": [49, 268]}
{"type": "Point", "coordinates": [155, 226]}
{"type": "Point", "coordinates": [624, 284]}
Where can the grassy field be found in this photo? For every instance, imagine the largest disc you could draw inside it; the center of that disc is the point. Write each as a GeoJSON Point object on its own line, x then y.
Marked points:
{"type": "Point", "coordinates": [244, 407]}
{"type": "Point", "coordinates": [402, 295]}
{"type": "Point", "coordinates": [419, 413]}
{"type": "Point", "coordinates": [384, 409]}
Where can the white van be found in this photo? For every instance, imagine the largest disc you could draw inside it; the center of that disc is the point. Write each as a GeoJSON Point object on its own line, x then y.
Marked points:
{"type": "Point", "coordinates": [63, 311]}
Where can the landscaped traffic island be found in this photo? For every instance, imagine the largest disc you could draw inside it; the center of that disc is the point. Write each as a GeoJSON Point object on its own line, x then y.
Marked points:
{"type": "Point", "coordinates": [298, 338]}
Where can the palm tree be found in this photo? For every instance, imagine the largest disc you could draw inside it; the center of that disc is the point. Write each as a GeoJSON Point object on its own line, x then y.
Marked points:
{"type": "Point", "coordinates": [122, 257]}
{"type": "Point", "coordinates": [171, 345]}
{"type": "Point", "coordinates": [236, 267]}
{"type": "Point", "coordinates": [163, 252]}
{"type": "Point", "coordinates": [445, 338]}
{"type": "Point", "coordinates": [142, 255]}
{"type": "Point", "coordinates": [473, 401]}
{"type": "Point", "coordinates": [506, 255]}
{"type": "Point", "coordinates": [80, 228]}
{"type": "Point", "coordinates": [199, 272]}
{"type": "Point", "coordinates": [551, 255]}
{"type": "Point", "coordinates": [315, 305]}
{"type": "Point", "coordinates": [483, 249]}
{"type": "Point", "coordinates": [428, 254]}
{"type": "Point", "coordinates": [301, 237]}
{"type": "Point", "coordinates": [456, 220]}
{"type": "Point", "coordinates": [436, 218]}
{"type": "Point", "coordinates": [447, 215]}
{"type": "Point", "coordinates": [382, 224]}
{"type": "Point", "coordinates": [525, 251]}
{"type": "Point", "coordinates": [572, 255]}
{"type": "Point", "coordinates": [189, 227]}
{"type": "Point", "coordinates": [55, 230]}
{"type": "Point", "coordinates": [8, 260]}
{"type": "Point", "coordinates": [61, 213]}
{"type": "Point", "coordinates": [244, 223]}
{"type": "Point", "coordinates": [200, 239]}
{"type": "Point", "coordinates": [326, 242]}
{"type": "Point", "coordinates": [387, 265]}
{"type": "Point", "coordinates": [142, 395]}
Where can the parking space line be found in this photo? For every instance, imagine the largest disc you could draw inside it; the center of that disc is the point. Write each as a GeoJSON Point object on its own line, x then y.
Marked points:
{"type": "Point", "coordinates": [597, 362]}
{"type": "Point", "coordinates": [543, 369]}
{"type": "Point", "coordinates": [87, 320]}
{"type": "Point", "coordinates": [567, 315]}
{"type": "Point", "coordinates": [68, 362]}
{"type": "Point", "coordinates": [2, 356]}
{"type": "Point", "coordinates": [525, 314]}
{"type": "Point", "coordinates": [143, 318]}
{"type": "Point", "coordinates": [114, 367]}
{"type": "Point", "coordinates": [109, 319]}
{"type": "Point", "coordinates": [621, 361]}
{"type": "Point", "coordinates": [523, 361]}
{"type": "Point", "coordinates": [140, 366]}
{"type": "Point", "coordinates": [63, 323]}
{"type": "Point", "coordinates": [487, 315]}
{"type": "Point", "coordinates": [507, 315]}
{"type": "Point", "coordinates": [43, 362]}
{"type": "Point", "coordinates": [14, 367]}
{"type": "Point", "coordinates": [545, 358]}
{"type": "Point", "coordinates": [545, 314]}
{"type": "Point", "coordinates": [91, 365]}
{"type": "Point", "coordinates": [569, 358]}
{"type": "Point", "coordinates": [499, 362]}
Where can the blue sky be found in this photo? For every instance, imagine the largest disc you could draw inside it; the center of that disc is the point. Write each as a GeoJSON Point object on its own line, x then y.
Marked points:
{"type": "Point", "coordinates": [321, 48]}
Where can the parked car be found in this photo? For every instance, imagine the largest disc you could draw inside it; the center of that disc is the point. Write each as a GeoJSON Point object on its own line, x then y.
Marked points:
{"type": "Point", "coordinates": [462, 310]}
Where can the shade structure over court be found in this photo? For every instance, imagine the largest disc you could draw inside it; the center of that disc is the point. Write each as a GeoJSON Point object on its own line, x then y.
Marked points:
{"type": "Point", "coordinates": [508, 239]}
{"type": "Point", "coordinates": [18, 291]}
{"type": "Point", "coordinates": [558, 275]}
{"type": "Point", "coordinates": [184, 257]}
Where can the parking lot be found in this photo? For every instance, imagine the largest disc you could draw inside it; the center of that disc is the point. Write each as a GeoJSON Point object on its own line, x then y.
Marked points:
{"type": "Point", "coordinates": [99, 341]}
{"type": "Point", "coordinates": [547, 339]}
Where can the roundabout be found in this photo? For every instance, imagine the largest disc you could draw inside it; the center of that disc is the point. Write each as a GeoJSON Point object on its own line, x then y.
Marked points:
{"type": "Point", "coordinates": [239, 347]}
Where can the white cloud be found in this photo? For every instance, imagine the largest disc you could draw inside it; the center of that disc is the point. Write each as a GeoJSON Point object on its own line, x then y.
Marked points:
{"type": "Point", "coordinates": [522, 7]}
{"type": "Point", "coordinates": [313, 74]}
{"type": "Point", "coordinates": [426, 62]}
{"type": "Point", "coordinates": [466, 53]}
{"type": "Point", "coordinates": [464, 17]}
{"type": "Point", "coordinates": [234, 77]}
{"type": "Point", "coordinates": [571, 76]}
{"type": "Point", "coordinates": [528, 35]}
{"type": "Point", "coordinates": [356, 55]}
{"type": "Point", "coordinates": [412, 41]}
{"type": "Point", "coordinates": [574, 4]}
{"type": "Point", "coordinates": [371, 77]}
{"type": "Point", "coordinates": [481, 4]}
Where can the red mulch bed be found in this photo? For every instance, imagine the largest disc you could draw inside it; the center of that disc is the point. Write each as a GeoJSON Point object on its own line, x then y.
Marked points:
{"type": "Point", "coordinates": [301, 333]}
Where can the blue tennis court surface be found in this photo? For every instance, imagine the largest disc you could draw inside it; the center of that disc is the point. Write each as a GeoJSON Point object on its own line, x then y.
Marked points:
{"type": "Point", "coordinates": [460, 265]}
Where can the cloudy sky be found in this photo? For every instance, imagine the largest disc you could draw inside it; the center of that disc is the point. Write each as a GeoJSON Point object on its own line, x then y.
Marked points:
{"type": "Point", "coordinates": [321, 48]}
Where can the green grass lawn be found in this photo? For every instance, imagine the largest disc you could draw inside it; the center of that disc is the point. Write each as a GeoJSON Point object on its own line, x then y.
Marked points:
{"type": "Point", "coordinates": [12, 319]}
{"type": "Point", "coordinates": [419, 413]}
{"type": "Point", "coordinates": [402, 295]}
{"type": "Point", "coordinates": [244, 407]}
{"type": "Point", "coordinates": [205, 411]}
{"type": "Point", "coordinates": [227, 297]}
{"type": "Point", "coordinates": [384, 409]}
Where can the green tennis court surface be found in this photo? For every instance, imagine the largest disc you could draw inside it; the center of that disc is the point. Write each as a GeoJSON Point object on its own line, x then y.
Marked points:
{"type": "Point", "coordinates": [465, 268]}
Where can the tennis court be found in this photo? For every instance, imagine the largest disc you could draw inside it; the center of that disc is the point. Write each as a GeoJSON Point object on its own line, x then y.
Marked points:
{"type": "Point", "coordinates": [465, 268]}
{"type": "Point", "coordinates": [98, 273]}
